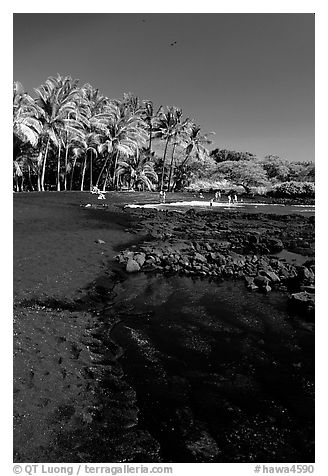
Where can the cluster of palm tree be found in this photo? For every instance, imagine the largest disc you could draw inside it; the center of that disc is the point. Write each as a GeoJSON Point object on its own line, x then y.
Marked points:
{"type": "Point", "coordinates": [73, 138]}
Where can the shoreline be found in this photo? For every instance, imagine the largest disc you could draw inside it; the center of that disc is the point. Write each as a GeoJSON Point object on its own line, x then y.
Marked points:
{"type": "Point", "coordinates": [69, 387]}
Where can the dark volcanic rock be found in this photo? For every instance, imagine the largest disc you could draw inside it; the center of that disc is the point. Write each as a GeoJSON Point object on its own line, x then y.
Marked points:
{"type": "Point", "coordinates": [132, 266]}
{"type": "Point", "coordinates": [229, 245]}
{"type": "Point", "coordinates": [261, 280]}
{"type": "Point", "coordinates": [274, 244]}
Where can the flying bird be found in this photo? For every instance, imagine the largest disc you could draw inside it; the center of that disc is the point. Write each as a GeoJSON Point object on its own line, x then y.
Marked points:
{"type": "Point", "coordinates": [174, 43]}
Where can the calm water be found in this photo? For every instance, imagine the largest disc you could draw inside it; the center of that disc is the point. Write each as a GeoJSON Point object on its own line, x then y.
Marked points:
{"type": "Point", "coordinates": [221, 374]}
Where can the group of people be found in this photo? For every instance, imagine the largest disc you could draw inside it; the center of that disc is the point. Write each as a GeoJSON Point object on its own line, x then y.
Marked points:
{"type": "Point", "coordinates": [232, 197]}
{"type": "Point", "coordinates": [162, 196]}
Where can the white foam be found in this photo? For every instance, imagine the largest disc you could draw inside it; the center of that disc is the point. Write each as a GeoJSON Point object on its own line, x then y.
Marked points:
{"type": "Point", "coordinates": [185, 204]}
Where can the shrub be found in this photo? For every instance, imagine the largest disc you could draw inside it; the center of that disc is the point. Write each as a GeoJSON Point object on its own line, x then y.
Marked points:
{"type": "Point", "coordinates": [293, 190]}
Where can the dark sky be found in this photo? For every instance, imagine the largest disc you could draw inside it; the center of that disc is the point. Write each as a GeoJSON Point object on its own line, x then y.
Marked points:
{"type": "Point", "coordinates": [248, 77]}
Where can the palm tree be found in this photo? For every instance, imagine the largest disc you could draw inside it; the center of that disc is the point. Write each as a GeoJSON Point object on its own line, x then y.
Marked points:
{"type": "Point", "coordinates": [196, 141]}
{"type": "Point", "coordinates": [96, 111]}
{"type": "Point", "coordinates": [26, 119]}
{"type": "Point", "coordinates": [89, 147]}
{"type": "Point", "coordinates": [150, 118]}
{"type": "Point", "coordinates": [167, 127]}
{"type": "Point", "coordinates": [124, 136]}
{"type": "Point", "coordinates": [139, 170]}
{"type": "Point", "coordinates": [194, 144]}
{"type": "Point", "coordinates": [181, 130]}
{"type": "Point", "coordinates": [56, 98]}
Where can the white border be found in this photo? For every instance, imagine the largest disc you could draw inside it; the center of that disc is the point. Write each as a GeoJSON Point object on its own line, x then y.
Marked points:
{"type": "Point", "coordinates": [169, 6]}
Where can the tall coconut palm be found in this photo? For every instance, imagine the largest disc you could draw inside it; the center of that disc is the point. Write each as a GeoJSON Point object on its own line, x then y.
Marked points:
{"type": "Point", "coordinates": [150, 118]}
{"type": "Point", "coordinates": [194, 146]}
{"type": "Point", "coordinates": [195, 141]}
{"type": "Point", "coordinates": [167, 126]}
{"type": "Point", "coordinates": [181, 130]}
{"type": "Point", "coordinates": [90, 149]}
{"type": "Point", "coordinates": [124, 136]}
{"type": "Point", "coordinates": [26, 119]}
{"type": "Point", "coordinates": [56, 98]}
{"type": "Point", "coordinates": [96, 111]}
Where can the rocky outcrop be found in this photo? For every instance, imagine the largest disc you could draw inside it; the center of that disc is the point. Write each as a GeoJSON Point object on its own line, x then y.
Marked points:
{"type": "Point", "coordinates": [232, 245]}
{"type": "Point", "coordinates": [132, 266]}
{"type": "Point", "coordinates": [303, 301]}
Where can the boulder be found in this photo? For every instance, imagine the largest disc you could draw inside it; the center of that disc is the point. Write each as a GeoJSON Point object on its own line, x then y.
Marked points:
{"type": "Point", "coordinates": [132, 266]}
{"type": "Point", "coordinates": [218, 258]}
{"type": "Point", "coordinates": [266, 289]}
{"type": "Point", "coordinates": [140, 258]}
{"type": "Point", "coordinates": [274, 244]}
{"type": "Point", "coordinates": [284, 273]}
{"type": "Point", "coordinates": [254, 238]}
{"type": "Point", "coordinates": [261, 280]}
{"type": "Point", "coordinates": [208, 247]}
{"type": "Point", "coordinates": [274, 278]}
{"type": "Point", "coordinates": [100, 242]}
{"type": "Point", "coordinates": [223, 244]}
{"type": "Point", "coordinates": [303, 297]}
{"type": "Point", "coordinates": [249, 280]}
{"type": "Point", "coordinates": [305, 274]}
{"type": "Point", "coordinates": [237, 259]}
{"type": "Point", "coordinates": [199, 257]}
{"type": "Point", "coordinates": [252, 287]}
{"type": "Point", "coordinates": [303, 302]}
{"type": "Point", "coordinates": [128, 254]}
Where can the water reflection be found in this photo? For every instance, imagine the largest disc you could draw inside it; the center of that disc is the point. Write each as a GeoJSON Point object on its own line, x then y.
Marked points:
{"type": "Point", "coordinates": [221, 374]}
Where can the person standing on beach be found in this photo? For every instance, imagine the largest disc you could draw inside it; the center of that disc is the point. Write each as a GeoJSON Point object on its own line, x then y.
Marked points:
{"type": "Point", "coordinates": [164, 197]}
{"type": "Point", "coordinates": [235, 198]}
{"type": "Point", "coordinates": [229, 198]}
{"type": "Point", "coordinates": [161, 196]}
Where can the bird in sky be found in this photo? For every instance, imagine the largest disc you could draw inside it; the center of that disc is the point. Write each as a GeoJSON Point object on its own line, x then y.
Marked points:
{"type": "Point", "coordinates": [174, 43]}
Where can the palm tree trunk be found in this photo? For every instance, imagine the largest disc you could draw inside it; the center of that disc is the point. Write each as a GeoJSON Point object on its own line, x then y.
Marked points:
{"type": "Point", "coordinates": [30, 178]}
{"type": "Point", "coordinates": [101, 172]}
{"type": "Point", "coordinates": [72, 173]}
{"type": "Point", "coordinates": [163, 167]}
{"type": "Point", "coordinates": [150, 139]}
{"type": "Point", "coordinates": [91, 157]}
{"type": "Point", "coordinates": [66, 161]}
{"type": "Point", "coordinates": [185, 160]}
{"type": "Point", "coordinates": [58, 168]}
{"type": "Point", "coordinates": [171, 166]}
{"type": "Point", "coordinates": [114, 171]}
{"type": "Point", "coordinates": [106, 178]}
{"type": "Point", "coordinates": [44, 165]}
{"type": "Point", "coordinates": [39, 166]}
{"type": "Point", "coordinates": [83, 172]}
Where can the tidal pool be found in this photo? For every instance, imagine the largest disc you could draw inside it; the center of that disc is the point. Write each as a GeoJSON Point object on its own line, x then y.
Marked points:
{"type": "Point", "coordinates": [220, 374]}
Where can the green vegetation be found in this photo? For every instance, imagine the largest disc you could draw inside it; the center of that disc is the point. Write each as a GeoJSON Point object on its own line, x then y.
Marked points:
{"type": "Point", "coordinates": [293, 190]}
{"type": "Point", "coordinates": [71, 137]}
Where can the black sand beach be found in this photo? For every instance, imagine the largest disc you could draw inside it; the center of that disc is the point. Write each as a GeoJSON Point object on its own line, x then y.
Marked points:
{"type": "Point", "coordinates": [161, 365]}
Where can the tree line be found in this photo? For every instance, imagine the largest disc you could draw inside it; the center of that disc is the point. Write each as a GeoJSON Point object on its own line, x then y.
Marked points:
{"type": "Point", "coordinates": [71, 137]}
